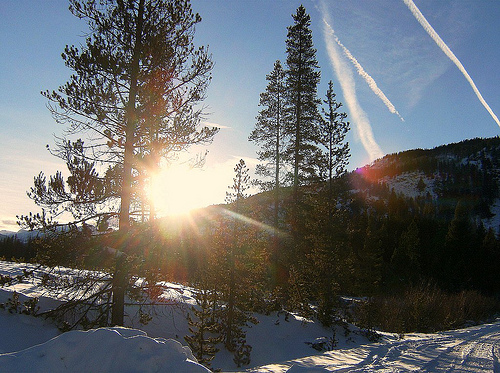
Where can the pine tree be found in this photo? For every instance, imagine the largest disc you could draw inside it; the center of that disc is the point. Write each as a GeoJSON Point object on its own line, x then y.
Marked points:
{"type": "Point", "coordinates": [137, 83]}
{"type": "Point", "coordinates": [333, 131]}
{"type": "Point", "coordinates": [204, 328]}
{"type": "Point", "coordinates": [458, 248]}
{"type": "Point", "coordinates": [405, 259]}
{"type": "Point", "coordinates": [233, 269]}
{"type": "Point", "coordinates": [368, 265]}
{"type": "Point", "coordinates": [268, 131]}
{"type": "Point", "coordinates": [269, 135]}
{"type": "Point", "coordinates": [302, 120]}
{"type": "Point", "coordinates": [235, 195]}
{"type": "Point", "coordinates": [237, 191]}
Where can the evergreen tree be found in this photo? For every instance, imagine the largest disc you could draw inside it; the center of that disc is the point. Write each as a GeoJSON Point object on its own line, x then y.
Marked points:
{"type": "Point", "coordinates": [325, 268]}
{"type": "Point", "coordinates": [334, 161]}
{"type": "Point", "coordinates": [233, 268]}
{"type": "Point", "coordinates": [235, 195]}
{"type": "Point", "coordinates": [204, 328]}
{"type": "Point", "coordinates": [268, 131]}
{"type": "Point", "coordinates": [302, 120]}
{"type": "Point", "coordinates": [333, 131]}
{"type": "Point", "coordinates": [405, 259]}
{"type": "Point", "coordinates": [368, 265]}
{"type": "Point", "coordinates": [458, 249]}
{"type": "Point", "coordinates": [136, 87]}
{"type": "Point", "coordinates": [269, 135]}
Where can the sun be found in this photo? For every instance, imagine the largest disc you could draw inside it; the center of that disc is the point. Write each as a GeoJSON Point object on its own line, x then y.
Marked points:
{"type": "Point", "coordinates": [179, 189]}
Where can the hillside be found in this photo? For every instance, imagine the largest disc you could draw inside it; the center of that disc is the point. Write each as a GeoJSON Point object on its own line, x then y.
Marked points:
{"type": "Point", "coordinates": [469, 170]}
{"type": "Point", "coordinates": [418, 215]}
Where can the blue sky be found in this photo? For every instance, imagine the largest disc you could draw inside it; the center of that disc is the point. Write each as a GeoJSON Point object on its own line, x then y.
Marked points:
{"type": "Point", "coordinates": [246, 37]}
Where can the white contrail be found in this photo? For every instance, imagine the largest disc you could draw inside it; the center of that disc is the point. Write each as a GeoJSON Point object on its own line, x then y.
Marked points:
{"type": "Point", "coordinates": [441, 44]}
{"type": "Point", "coordinates": [361, 71]}
{"type": "Point", "coordinates": [346, 80]}
{"type": "Point", "coordinates": [369, 80]}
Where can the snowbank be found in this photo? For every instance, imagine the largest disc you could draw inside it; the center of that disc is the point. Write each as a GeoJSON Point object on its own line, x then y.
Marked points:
{"type": "Point", "coordinates": [103, 350]}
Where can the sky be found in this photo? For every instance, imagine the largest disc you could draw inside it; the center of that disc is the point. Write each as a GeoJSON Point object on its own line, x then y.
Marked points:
{"type": "Point", "coordinates": [410, 74]}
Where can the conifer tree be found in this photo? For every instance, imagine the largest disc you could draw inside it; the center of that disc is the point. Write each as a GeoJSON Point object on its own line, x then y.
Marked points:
{"type": "Point", "coordinates": [458, 248]}
{"type": "Point", "coordinates": [235, 195]}
{"type": "Point", "coordinates": [302, 120]}
{"type": "Point", "coordinates": [232, 268]}
{"type": "Point", "coordinates": [269, 134]}
{"type": "Point", "coordinates": [333, 131]}
{"type": "Point", "coordinates": [204, 329]}
{"type": "Point", "coordinates": [406, 256]}
{"type": "Point", "coordinates": [268, 131]}
{"type": "Point", "coordinates": [137, 83]}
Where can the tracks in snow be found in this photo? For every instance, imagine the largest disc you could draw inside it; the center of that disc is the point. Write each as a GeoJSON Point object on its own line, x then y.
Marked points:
{"type": "Point", "coordinates": [475, 349]}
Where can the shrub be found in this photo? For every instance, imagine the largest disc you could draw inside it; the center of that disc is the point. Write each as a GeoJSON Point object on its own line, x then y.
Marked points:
{"type": "Point", "coordinates": [426, 309]}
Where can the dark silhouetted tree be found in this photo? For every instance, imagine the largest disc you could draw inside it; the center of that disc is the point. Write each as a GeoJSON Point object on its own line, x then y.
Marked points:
{"type": "Point", "coordinates": [268, 131]}
{"type": "Point", "coordinates": [458, 249]}
{"type": "Point", "coordinates": [135, 90]}
{"type": "Point", "coordinates": [303, 116]}
{"type": "Point", "coordinates": [269, 135]}
{"type": "Point", "coordinates": [333, 131]}
{"type": "Point", "coordinates": [204, 328]}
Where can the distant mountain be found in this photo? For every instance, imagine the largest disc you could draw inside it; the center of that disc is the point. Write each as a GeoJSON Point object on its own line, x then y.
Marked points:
{"type": "Point", "coordinates": [22, 234]}
{"type": "Point", "coordinates": [467, 171]}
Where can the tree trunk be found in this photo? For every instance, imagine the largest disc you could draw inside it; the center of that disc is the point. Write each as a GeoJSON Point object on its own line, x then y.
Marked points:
{"type": "Point", "coordinates": [120, 277]}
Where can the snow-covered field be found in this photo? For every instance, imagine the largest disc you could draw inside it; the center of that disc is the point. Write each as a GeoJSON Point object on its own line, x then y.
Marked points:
{"type": "Point", "coordinates": [30, 344]}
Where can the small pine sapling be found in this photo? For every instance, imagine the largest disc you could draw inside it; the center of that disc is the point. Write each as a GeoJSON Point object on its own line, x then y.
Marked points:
{"type": "Point", "coordinates": [204, 338]}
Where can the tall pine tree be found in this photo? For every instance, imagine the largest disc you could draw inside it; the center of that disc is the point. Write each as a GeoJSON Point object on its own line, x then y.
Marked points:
{"type": "Point", "coordinates": [303, 117]}
{"type": "Point", "coordinates": [269, 135]}
{"type": "Point", "coordinates": [268, 131]}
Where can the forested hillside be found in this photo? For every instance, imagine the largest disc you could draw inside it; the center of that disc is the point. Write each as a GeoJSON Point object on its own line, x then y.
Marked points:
{"type": "Point", "coordinates": [433, 214]}
{"type": "Point", "coordinates": [416, 215]}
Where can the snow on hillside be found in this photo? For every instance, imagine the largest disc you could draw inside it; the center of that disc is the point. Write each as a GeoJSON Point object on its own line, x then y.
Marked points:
{"type": "Point", "coordinates": [407, 184]}
{"type": "Point", "coordinates": [494, 221]}
{"type": "Point", "coordinates": [280, 344]}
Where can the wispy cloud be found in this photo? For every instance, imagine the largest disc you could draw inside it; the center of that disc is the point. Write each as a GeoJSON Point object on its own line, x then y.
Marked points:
{"type": "Point", "coordinates": [346, 80]}
{"type": "Point", "coordinates": [210, 124]}
{"type": "Point", "coordinates": [441, 44]}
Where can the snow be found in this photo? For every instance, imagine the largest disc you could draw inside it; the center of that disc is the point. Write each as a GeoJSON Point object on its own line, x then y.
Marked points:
{"type": "Point", "coordinates": [406, 184]}
{"type": "Point", "coordinates": [280, 343]}
{"type": "Point", "coordinates": [475, 349]}
{"type": "Point", "coordinates": [103, 350]}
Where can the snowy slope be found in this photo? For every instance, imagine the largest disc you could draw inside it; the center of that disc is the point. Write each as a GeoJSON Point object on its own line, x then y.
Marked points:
{"type": "Point", "coordinates": [474, 349]}
{"type": "Point", "coordinates": [274, 338]}
{"type": "Point", "coordinates": [279, 344]}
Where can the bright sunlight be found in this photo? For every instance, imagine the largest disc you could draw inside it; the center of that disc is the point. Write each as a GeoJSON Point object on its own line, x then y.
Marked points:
{"type": "Point", "coordinates": [179, 189]}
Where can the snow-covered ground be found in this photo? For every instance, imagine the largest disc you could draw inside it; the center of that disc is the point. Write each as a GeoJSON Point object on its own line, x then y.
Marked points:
{"type": "Point", "coordinates": [475, 349]}
{"type": "Point", "coordinates": [279, 345]}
